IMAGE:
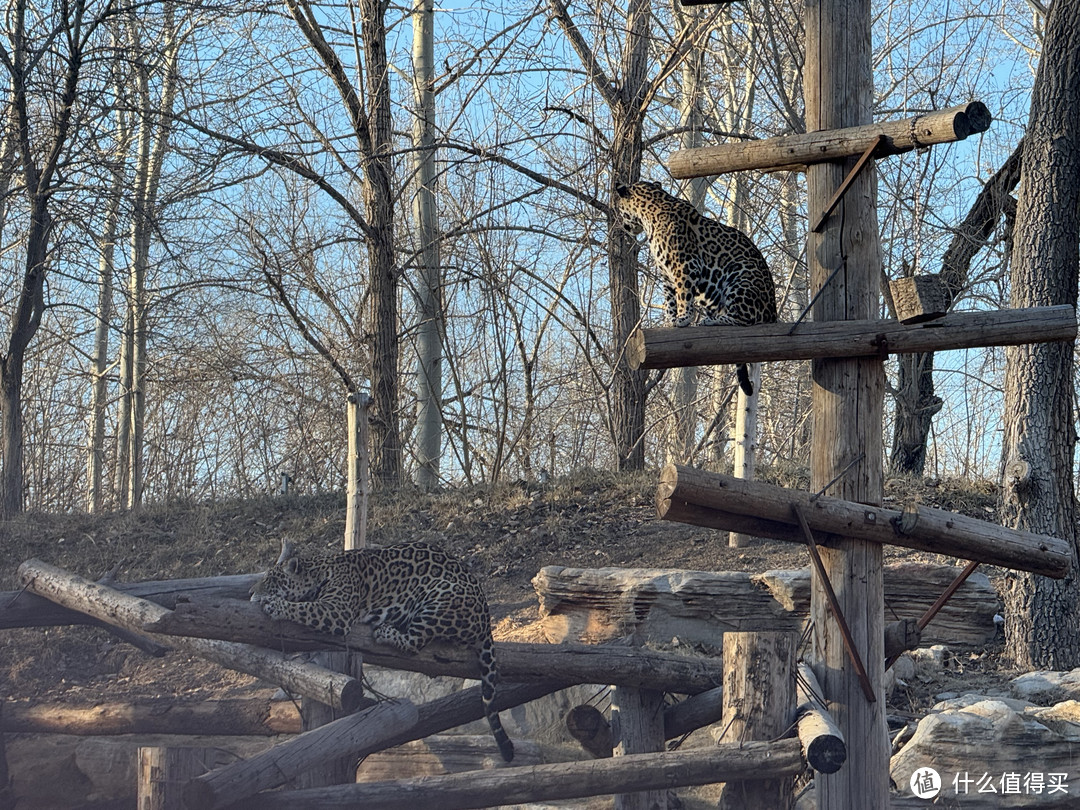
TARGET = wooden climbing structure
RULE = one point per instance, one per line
(847, 344)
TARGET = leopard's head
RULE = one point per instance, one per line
(640, 203)
(295, 577)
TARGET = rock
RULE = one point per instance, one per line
(1029, 756)
(1047, 687)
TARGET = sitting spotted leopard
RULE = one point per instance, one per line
(705, 264)
(411, 592)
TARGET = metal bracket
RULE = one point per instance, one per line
(844, 186)
(834, 607)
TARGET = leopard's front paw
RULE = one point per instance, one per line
(272, 606)
(684, 321)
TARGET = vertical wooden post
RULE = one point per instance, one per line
(845, 264)
(759, 703)
(313, 714)
(164, 771)
(637, 721)
(746, 420)
(359, 478)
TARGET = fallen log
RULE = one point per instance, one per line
(441, 754)
(656, 605)
(922, 528)
(365, 729)
(25, 609)
(131, 613)
(570, 663)
(568, 780)
(227, 717)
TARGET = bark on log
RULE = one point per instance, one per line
(637, 724)
(672, 347)
(934, 530)
(759, 691)
(795, 152)
(919, 298)
(131, 613)
(822, 741)
(364, 730)
(569, 663)
(228, 717)
(589, 727)
(693, 713)
(697, 606)
(442, 754)
(25, 609)
(163, 772)
(570, 780)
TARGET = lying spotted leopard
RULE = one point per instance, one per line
(411, 593)
(705, 264)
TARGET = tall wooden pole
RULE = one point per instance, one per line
(845, 260)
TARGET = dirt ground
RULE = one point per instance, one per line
(506, 534)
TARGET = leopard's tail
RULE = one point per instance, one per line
(743, 373)
(489, 677)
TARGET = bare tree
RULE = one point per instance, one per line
(44, 55)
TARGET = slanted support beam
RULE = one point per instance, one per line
(671, 347)
(795, 152)
(766, 510)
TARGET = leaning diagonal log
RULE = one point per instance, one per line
(343, 737)
(923, 528)
(730, 762)
(576, 663)
(131, 613)
(25, 609)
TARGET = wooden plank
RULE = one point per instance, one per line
(934, 530)
(569, 663)
(671, 347)
(795, 152)
(564, 780)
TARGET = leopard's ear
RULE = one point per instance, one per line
(288, 550)
(622, 189)
(292, 565)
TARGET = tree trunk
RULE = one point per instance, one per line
(430, 350)
(1039, 443)
(378, 171)
(915, 400)
(627, 385)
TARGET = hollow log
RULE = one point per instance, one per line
(568, 780)
(25, 609)
(822, 741)
(672, 347)
(934, 530)
(356, 732)
(589, 727)
(131, 613)
(571, 663)
(795, 152)
(226, 717)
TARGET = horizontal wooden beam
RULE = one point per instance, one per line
(730, 762)
(794, 152)
(671, 347)
(923, 528)
(568, 663)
